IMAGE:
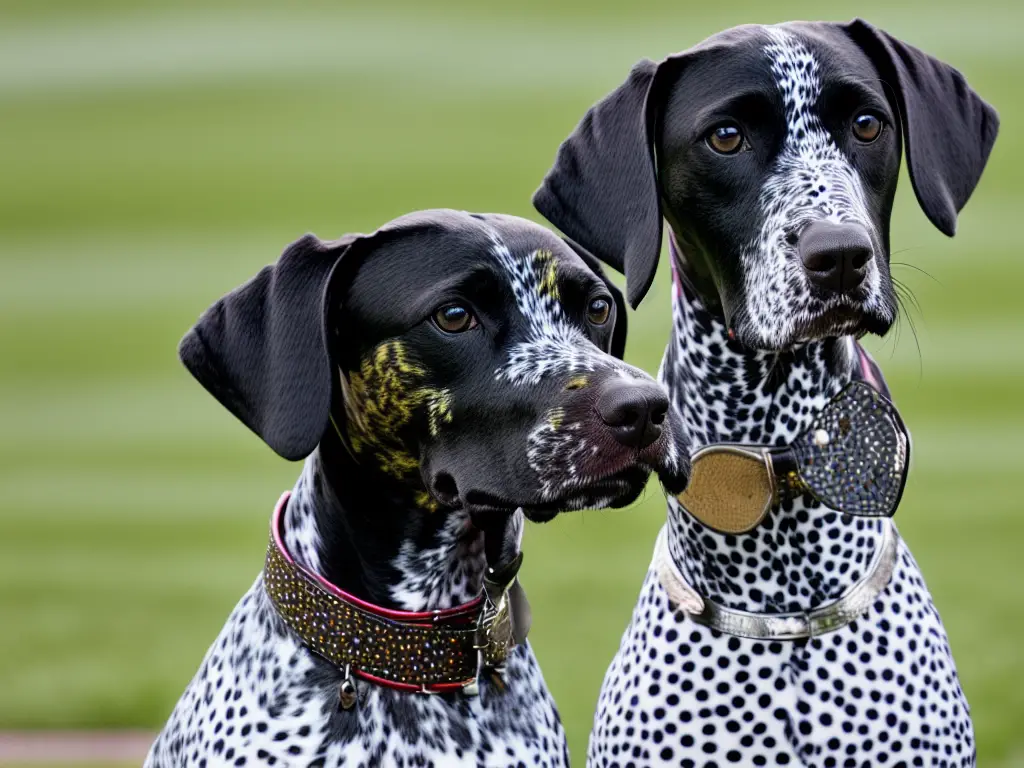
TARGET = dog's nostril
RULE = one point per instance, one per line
(633, 412)
(445, 487)
(792, 238)
(835, 255)
(658, 414)
(623, 416)
(820, 262)
(861, 258)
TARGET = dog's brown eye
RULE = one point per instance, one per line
(866, 127)
(454, 319)
(599, 310)
(725, 139)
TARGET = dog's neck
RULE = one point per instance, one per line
(802, 555)
(365, 534)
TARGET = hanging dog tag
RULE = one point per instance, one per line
(855, 455)
(506, 617)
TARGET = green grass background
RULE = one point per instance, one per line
(155, 155)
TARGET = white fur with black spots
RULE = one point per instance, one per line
(881, 691)
(261, 698)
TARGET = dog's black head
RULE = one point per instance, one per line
(471, 359)
(773, 153)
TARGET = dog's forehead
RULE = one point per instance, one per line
(441, 244)
(745, 56)
(835, 54)
(731, 58)
(409, 262)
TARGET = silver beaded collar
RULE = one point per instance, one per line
(853, 603)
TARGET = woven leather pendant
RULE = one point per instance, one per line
(730, 490)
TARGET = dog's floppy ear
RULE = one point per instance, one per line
(262, 350)
(948, 129)
(602, 191)
(618, 347)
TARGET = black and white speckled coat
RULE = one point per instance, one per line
(436, 407)
(747, 145)
(261, 698)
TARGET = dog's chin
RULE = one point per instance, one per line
(843, 317)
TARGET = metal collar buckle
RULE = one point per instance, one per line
(505, 619)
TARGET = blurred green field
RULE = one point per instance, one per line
(153, 156)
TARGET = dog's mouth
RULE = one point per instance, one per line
(843, 317)
(616, 489)
(838, 316)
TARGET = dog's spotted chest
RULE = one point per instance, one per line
(883, 689)
(261, 698)
(803, 554)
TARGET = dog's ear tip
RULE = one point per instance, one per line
(541, 198)
(991, 126)
(193, 352)
(637, 288)
(292, 451)
(308, 239)
(187, 346)
(636, 294)
(944, 218)
(947, 225)
(643, 68)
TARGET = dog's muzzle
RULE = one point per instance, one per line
(853, 458)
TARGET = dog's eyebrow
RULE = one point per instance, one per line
(748, 105)
(574, 279)
(480, 281)
(860, 90)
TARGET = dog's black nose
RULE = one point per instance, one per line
(835, 256)
(634, 410)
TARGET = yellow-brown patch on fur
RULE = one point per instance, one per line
(556, 417)
(382, 398)
(548, 266)
(425, 501)
(439, 410)
(576, 382)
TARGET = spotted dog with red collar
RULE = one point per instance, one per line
(443, 378)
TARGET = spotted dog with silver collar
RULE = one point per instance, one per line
(773, 154)
(427, 374)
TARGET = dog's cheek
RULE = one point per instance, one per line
(383, 399)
